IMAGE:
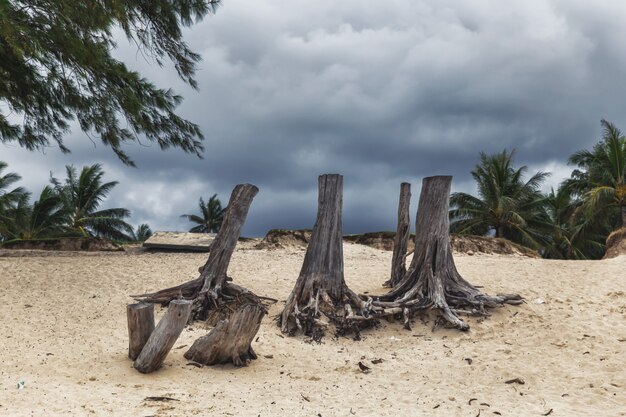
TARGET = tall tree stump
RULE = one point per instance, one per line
(401, 240)
(211, 292)
(140, 326)
(231, 339)
(163, 337)
(432, 280)
(320, 294)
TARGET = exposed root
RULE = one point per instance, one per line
(425, 291)
(187, 291)
(212, 291)
(349, 315)
(432, 281)
(210, 306)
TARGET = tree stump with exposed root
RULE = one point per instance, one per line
(432, 280)
(213, 294)
(320, 295)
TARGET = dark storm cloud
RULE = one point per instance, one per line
(386, 93)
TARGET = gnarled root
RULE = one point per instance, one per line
(187, 291)
(216, 304)
(428, 287)
(349, 314)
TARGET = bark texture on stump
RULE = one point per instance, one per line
(320, 294)
(213, 273)
(163, 337)
(212, 289)
(140, 326)
(231, 339)
(401, 240)
(432, 280)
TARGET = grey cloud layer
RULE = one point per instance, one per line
(389, 92)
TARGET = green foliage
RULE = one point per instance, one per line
(507, 205)
(11, 200)
(82, 195)
(592, 202)
(142, 233)
(600, 180)
(211, 216)
(44, 219)
(68, 208)
(572, 222)
(571, 237)
(56, 67)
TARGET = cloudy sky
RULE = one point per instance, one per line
(390, 92)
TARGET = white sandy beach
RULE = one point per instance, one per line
(64, 334)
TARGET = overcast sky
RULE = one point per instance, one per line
(381, 92)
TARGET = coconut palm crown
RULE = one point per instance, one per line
(507, 205)
(572, 237)
(44, 219)
(142, 233)
(10, 199)
(82, 195)
(600, 180)
(211, 216)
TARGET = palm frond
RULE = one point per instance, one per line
(211, 216)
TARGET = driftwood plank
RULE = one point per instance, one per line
(140, 327)
(163, 337)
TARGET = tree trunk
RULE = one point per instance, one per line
(231, 339)
(624, 215)
(320, 294)
(140, 326)
(432, 280)
(213, 273)
(163, 337)
(401, 240)
(211, 291)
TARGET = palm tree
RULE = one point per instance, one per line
(142, 233)
(82, 195)
(570, 237)
(45, 218)
(9, 200)
(210, 220)
(600, 181)
(507, 205)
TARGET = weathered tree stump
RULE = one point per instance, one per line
(211, 292)
(401, 240)
(231, 339)
(163, 337)
(140, 326)
(212, 297)
(320, 294)
(432, 280)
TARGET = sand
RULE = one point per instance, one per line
(64, 334)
